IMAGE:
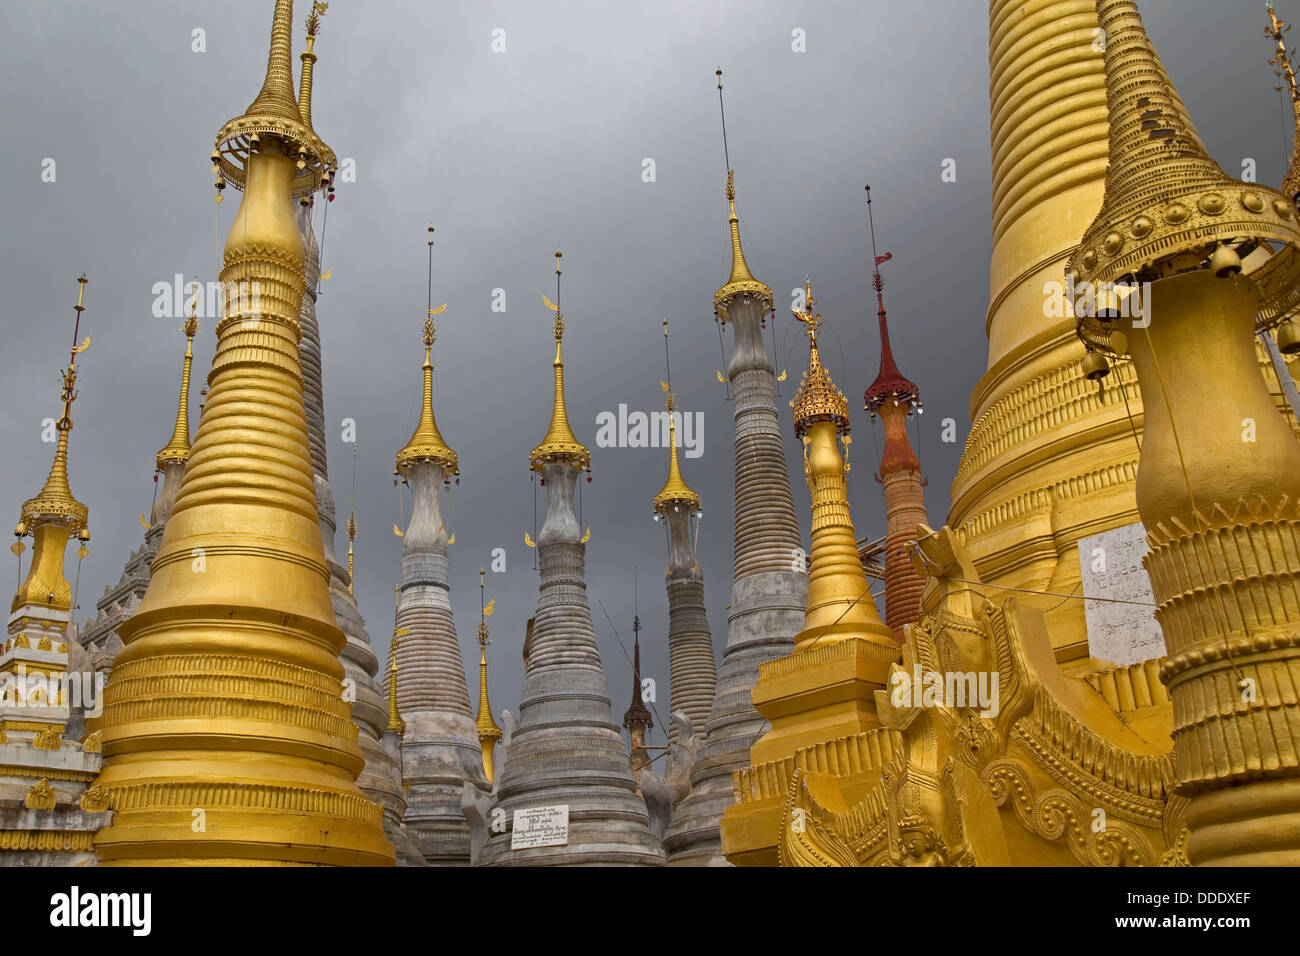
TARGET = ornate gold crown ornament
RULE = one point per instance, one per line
(1168, 207)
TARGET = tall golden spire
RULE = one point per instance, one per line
(488, 731)
(742, 281)
(840, 605)
(395, 723)
(427, 443)
(560, 444)
(264, 741)
(54, 514)
(178, 449)
(1168, 207)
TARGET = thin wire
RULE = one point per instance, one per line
(1128, 410)
(1006, 587)
(320, 246)
(773, 330)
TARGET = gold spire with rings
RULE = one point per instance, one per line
(396, 724)
(741, 281)
(177, 450)
(1168, 207)
(55, 504)
(676, 492)
(560, 444)
(276, 114)
(427, 443)
(818, 399)
(488, 731)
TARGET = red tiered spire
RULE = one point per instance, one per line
(892, 397)
(890, 383)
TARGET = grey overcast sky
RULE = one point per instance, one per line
(512, 155)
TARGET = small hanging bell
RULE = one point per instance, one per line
(1288, 338)
(1224, 261)
(1095, 366)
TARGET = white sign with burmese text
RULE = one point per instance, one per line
(1122, 628)
(540, 826)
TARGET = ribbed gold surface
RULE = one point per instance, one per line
(226, 733)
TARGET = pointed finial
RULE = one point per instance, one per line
(55, 504)
(818, 399)
(396, 724)
(637, 713)
(427, 443)
(675, 493)
(811, 319)
(177, 450)
(559, 443)
(742, 281)
(488, 731)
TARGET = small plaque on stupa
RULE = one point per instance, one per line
(1119, 607)
(540, 826)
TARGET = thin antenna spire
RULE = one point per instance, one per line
(429, 306)
(722, 109)
(668, 371)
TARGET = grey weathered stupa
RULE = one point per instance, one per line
(690, 645)
(567, 751)
(381, 778)
(440, 747)
(770, 586)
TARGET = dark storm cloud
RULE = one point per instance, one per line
(511, 156)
